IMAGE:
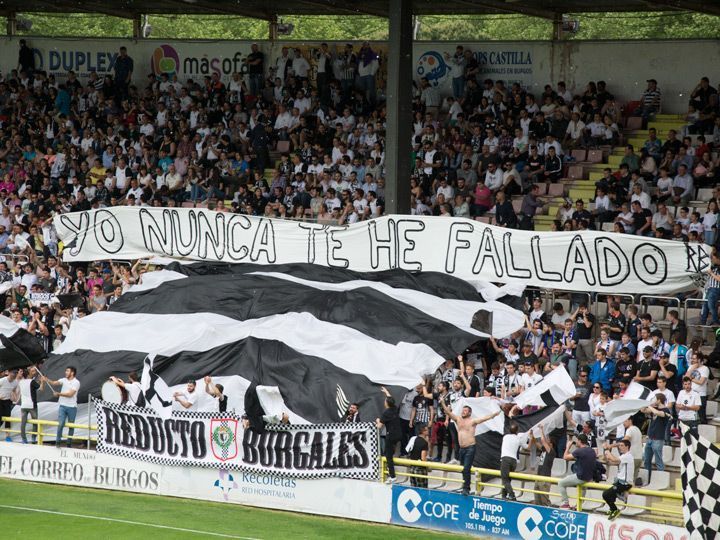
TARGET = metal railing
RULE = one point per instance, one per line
(40, 425)
(671, 514)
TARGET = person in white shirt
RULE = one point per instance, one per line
(625, 475)
(639, 195)
(493, 177)
(132, 387)
(188, 397)
(688, 404)
(509, 455)
(300, 66)
(700, 373)
(28, 388)
(575, 130)
(8, 387)
(67, 402)
(530, 378)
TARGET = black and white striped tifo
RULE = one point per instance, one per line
(324, 337)
(701, 486)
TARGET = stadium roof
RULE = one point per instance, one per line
(268, 9)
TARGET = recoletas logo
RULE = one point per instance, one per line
(165, 59)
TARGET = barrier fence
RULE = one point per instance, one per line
(670, 510)
(40, 425)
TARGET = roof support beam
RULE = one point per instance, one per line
(503, 7)
(342, 7)
(708, 8)
(11, 27)
(399, 108)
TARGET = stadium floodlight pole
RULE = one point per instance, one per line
(399, 107)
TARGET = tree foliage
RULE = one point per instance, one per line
(675, 25)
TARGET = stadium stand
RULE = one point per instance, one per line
(283, 148)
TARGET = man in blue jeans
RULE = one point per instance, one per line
(712, 293)
(67, 402)
(466, 437)
(656, 433)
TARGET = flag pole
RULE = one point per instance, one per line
(90, 402)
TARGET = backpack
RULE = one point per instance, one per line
(600, 472)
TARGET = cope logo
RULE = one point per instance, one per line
(164, 59)
(528, 523)
(408, 503)
(433, 67)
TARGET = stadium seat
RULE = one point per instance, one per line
(657, 312)
(708, 432)
(559, 468)
(517, 205)
(676, 459)
(595, 156)
(659, 480)
(526, 496)
(637, 500)
(483, 219)
(575, 172)
(712, 409)
(593, 505)
(579, 154)
(542, 188)
(634, 123)
(494, 490)
(556, 190)
(283, 146)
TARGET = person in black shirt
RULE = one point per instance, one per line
(504, 212)
(352, 415)
(642, 219)
(418, 449)
(584, 321)
(668, 373)
(255, 63)
(647, 370)
(422, 413)
(390, 420)
(656, 433)
(580, 214)
(615, 322)
(216, 391)
(26, 58)
(626, 365)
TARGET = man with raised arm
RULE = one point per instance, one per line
(466, 438)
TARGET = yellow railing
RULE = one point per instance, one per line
(40, 425)
(669, 514)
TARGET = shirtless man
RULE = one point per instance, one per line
(466, 437)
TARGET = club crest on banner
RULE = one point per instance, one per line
(223, 440)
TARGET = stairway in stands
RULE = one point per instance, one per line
(582, 175)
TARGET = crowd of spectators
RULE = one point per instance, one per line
(631, 354)
(69, 145)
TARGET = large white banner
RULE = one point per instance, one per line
(340, 497)
(588, 261)
(219, 440)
